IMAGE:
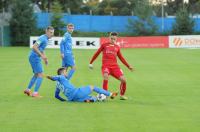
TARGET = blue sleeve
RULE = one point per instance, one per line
(62, 48)
(55, 78)
(39, 41)
(57, 92)
(63, 41)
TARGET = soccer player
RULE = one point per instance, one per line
(110, 66)
(66, 51)
(81, 94)
(37, 53)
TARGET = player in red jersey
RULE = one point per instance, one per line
(110, 66)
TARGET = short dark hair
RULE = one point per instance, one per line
(113, 34)
(60, 70)
(50, 28)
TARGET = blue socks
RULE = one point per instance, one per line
(38, 83)
(32, 81)
(70, 74)
(101, 91)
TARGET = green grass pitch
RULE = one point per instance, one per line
(163, 91)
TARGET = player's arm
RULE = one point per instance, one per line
(35, 48)
(62, 49)
(53, 78)
(62, 43)
(57, 96)
(122, 59)
(95, 56)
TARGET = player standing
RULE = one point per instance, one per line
(66, 51)
(37, 53)
(110, 66)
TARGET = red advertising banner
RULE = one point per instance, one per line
(141, 42)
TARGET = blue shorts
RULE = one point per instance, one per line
(36, 65)
(68, 61)
(83, 93)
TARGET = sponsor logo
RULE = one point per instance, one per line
(178, 42)
(85, 43)
(192, 41)
(182, 42)
(78, 42)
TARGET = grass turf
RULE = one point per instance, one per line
(163, 91)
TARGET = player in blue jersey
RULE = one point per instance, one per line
(37, 53)
(81, 94)
(66, 51)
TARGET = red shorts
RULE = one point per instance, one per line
(115, 72)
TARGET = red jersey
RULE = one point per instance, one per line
(110, 53)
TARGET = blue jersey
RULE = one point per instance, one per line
(65, 86)
(42, 42)
(66, 44)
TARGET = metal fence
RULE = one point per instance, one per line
(4, 36)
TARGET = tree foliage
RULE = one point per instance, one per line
(144, 24)
(22, 23)
(117, 7)
(75, 6)
(56, 21)
(184, 24)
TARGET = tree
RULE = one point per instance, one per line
(194, 6)
(117, 7)
(56, 21)
(184, 24)
(144, 24)
(74, 6)
(22, 23)
(4, 5)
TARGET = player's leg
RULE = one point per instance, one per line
(69, 62)
(38, 83)
(27, 91)
(123, 88)
(83, 95)
(102, 91)
(38, 69)
(31, 83)
(118, 73)
(71, 72)
(105, 73)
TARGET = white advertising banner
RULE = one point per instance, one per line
(184, 41)
(77, 42)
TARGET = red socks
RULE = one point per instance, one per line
(105, 84)
(122, 88)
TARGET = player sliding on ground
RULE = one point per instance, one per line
(81, 94)
(110, 66)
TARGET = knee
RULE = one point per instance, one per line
(123, 80)
(39, 74)
(105, 76)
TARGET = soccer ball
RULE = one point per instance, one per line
(101, 97)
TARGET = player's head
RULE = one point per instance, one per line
(62, 71)
(70, 27)
(50, 31)
(113, 37)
